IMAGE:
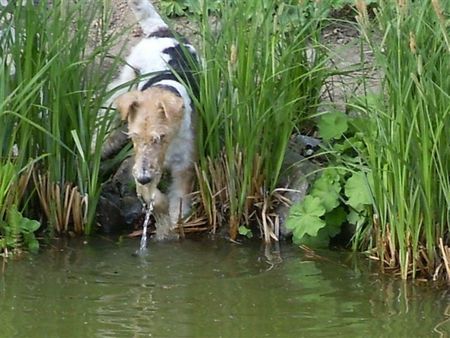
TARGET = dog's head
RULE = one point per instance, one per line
(154, 117)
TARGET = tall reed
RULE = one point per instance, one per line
(52, 84)
(409, 144)
(263, 72)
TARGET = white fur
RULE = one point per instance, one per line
(145, 58)
(149, 19)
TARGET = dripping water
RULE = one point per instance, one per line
(148, 212)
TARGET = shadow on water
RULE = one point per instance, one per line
(210, 288)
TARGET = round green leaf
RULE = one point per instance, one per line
(333, 125)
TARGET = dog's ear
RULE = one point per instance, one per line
(128, 103)
(172, 106)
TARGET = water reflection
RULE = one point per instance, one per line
(210, 289)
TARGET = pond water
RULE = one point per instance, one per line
(209, 288)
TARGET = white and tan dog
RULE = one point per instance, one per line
(159, 114)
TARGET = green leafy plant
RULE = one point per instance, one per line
(16, 229)
(174, 7)
(183, 7)
(341, 194)
(332, 125)
(244, 231)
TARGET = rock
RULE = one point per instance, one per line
(131, 209)
(108, 215)
(297, 174)
(119, 207)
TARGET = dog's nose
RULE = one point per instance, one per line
(144, 179)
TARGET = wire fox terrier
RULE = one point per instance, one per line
(159, 114)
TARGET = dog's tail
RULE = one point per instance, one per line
(148, 17)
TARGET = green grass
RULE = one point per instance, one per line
(257, 87)
(48, 106)
(182, 7)
(408, 139)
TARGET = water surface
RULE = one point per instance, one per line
(209, 289)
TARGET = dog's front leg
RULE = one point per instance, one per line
(161, 203)
(180, 194)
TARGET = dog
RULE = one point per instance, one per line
(159, 115)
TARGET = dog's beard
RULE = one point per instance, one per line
(147, 192)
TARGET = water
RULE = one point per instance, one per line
(210, 289)
(148, 213)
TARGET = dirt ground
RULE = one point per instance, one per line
(122, 18)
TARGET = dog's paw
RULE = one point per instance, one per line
(166, 236)
(164, 228)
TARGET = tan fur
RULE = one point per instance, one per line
(154, 118)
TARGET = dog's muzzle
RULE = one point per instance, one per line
(146, 167)
(146, 176)
(144, 179)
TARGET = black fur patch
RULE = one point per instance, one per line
(166, 75)
(167, 33)
(181, 59)
(181, 62)
(169, 88)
